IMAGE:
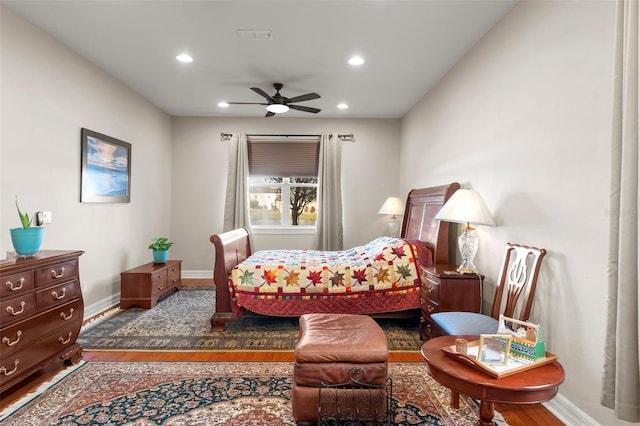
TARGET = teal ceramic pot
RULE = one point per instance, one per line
(27, 242)
(160, 256)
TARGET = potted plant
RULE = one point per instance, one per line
(27, 239)
(160, 247)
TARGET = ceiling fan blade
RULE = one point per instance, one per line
(307, 97)
(304, 108)
(247, 103)
(270, 114)
(262, 93)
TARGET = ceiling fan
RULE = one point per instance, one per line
(278, 104)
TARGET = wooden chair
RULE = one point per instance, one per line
(518, 277)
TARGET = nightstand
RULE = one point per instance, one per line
(445, 290)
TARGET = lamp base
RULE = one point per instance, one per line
(394, 227)
(468, 246)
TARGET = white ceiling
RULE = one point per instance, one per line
(408, 46)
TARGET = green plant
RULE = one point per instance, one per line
(24, 217)
(160, 243)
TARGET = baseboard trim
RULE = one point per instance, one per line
(101, 306)
(197, 274)
(568, 413)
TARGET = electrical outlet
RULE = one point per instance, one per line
(46, 217)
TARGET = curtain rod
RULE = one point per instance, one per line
(345, 138)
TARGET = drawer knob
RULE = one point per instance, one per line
(14, 313)
(431, 288)
(8, 341)
(57, 296)
(65, 317)
(431, 309)
(57, 275)
(4, 370)
(63, 340)
(11, 287)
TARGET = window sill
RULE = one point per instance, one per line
(283, 230)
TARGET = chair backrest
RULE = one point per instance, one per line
(518, 277)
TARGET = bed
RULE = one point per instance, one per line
(380, 278)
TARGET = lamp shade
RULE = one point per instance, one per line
(466, 206)
(393, 206)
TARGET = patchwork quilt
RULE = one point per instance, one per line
(382, 276)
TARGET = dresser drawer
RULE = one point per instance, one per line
(159, 281)
(173, 278)
(17, 308)
(15, 284)
(22, 334)
(15, 364)
(56, 273)
(57, 295)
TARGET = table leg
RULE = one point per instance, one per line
(486, 413)
(455, 399)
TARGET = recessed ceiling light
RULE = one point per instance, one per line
(223, 104)
(342, 106)
(356, 60)
(184, 58)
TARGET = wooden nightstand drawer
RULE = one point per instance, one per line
(443, 289)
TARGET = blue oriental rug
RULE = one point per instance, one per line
(211, 393)
(181, 322)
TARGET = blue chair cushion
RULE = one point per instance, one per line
(459, 323)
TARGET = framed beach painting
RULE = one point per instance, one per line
(106, 169)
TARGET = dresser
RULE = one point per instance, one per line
(445, 290)
(145, 285)
(41, 312)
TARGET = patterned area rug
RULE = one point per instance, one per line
(208, 393)
(181, 322)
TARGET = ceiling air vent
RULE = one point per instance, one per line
(254, 34)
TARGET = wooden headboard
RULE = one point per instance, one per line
(419, 219)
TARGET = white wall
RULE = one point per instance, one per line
(48, 94)
(524, 119)
(369, 175)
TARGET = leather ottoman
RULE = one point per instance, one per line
(329, 347)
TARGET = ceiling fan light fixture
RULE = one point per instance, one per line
(184, 57)
(277, 108)
(342, 106)
(356, 60)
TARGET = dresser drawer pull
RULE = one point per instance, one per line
(431, 288)
(14, 313)
(63, 340)
(65, 317)
(10, 286)
(4, 371)
(8, 342)
(57, 275)
(431, 309)
(57, 296)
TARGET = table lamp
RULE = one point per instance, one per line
(394, 207)
(466, 206)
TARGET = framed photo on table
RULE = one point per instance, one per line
(493, 349)
(105, 170)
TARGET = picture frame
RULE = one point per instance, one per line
(105, 169)
(494, 349)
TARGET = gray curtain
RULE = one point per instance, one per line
(621, 378)
(236, 206)
(329, 220)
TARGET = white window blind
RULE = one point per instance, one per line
(283, 158)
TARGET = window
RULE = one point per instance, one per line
(283, 170)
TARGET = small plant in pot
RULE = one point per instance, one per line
(160, 247)
(27, 239)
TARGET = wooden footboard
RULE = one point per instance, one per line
(232, 247)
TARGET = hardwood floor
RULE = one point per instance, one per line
(516, 415)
